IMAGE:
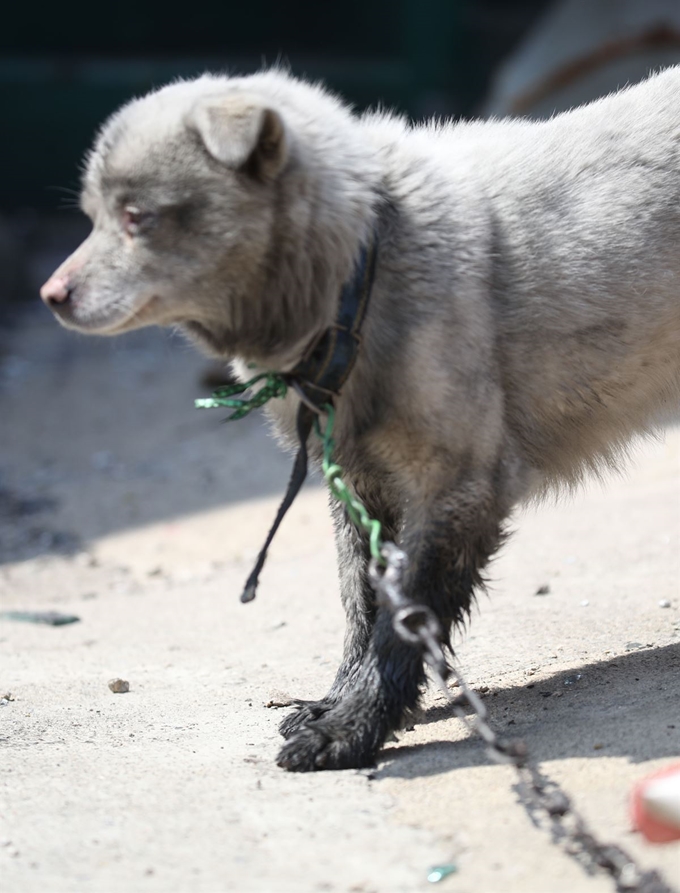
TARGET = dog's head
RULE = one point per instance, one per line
(207, 200)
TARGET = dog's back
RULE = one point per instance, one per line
(573, 226)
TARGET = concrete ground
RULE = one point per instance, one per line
(122, 505)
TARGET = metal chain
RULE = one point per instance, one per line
(543, 798)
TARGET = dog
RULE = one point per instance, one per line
(523, 323)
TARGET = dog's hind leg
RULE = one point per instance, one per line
(449, 539)
(358, 600)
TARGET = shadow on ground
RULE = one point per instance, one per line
(101, 434)
(599, 714)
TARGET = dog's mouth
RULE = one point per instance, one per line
(113, 320)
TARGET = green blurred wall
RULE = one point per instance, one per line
(65, 66)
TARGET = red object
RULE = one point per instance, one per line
(655, 805)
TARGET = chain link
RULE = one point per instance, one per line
(543, 798)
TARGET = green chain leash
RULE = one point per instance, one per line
(333, 474)
(275, 386)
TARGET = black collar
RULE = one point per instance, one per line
(330, 358)
(318, 379)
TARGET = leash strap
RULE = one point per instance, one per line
(317, 380)
(305, 417)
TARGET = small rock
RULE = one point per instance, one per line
(280, 699)
(119, 686)
(543, 590)
(8, 696)
(585, 603)
(482, 690)
(664, 603)
(598, 746)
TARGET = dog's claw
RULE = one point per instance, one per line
(305, 712)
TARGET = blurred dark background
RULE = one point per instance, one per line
(65, 67)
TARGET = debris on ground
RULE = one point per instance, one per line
(543, 590)
(572, 680)
(655, 805)
(119, 686)
(280, 699)
(438, 872)
(50, 618)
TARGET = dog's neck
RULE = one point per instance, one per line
(318, 367)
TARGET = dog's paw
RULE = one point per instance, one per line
(346, 735)
(313, 748)
(307, 711)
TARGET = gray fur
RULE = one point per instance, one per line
(524, 322)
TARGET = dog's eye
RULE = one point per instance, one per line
(133, 218)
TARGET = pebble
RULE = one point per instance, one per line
(664, 603)
(119, 686)
(543, 590)
(585, 603)
(280, 699)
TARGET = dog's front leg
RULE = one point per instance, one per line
(448, 540)
(358, 600)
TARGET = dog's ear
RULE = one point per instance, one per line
(242, 133)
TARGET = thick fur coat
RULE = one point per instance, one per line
(524, 322)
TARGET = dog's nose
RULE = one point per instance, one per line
(57, 290)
